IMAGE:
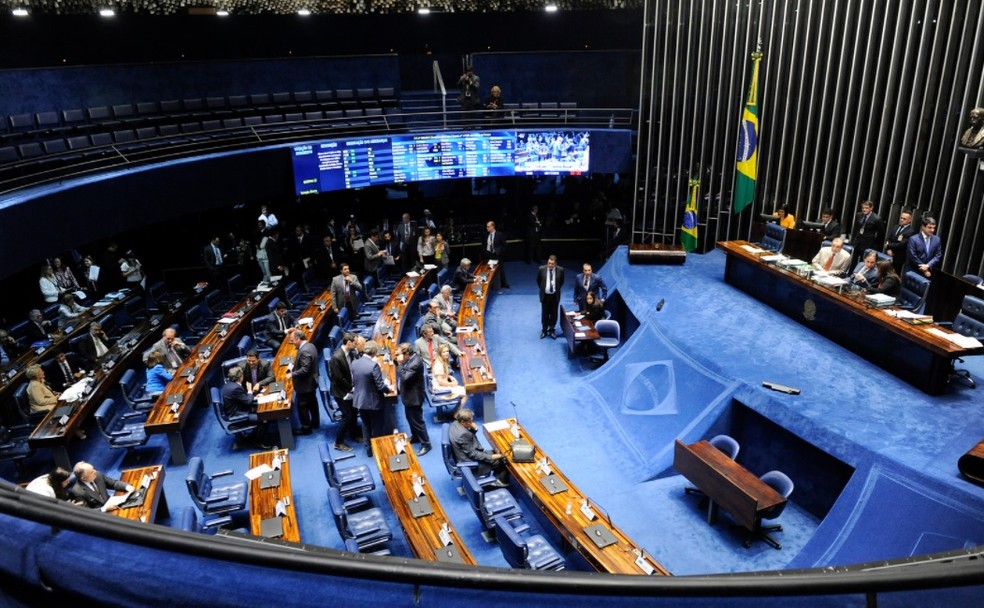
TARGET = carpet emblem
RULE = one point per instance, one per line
(810, 310)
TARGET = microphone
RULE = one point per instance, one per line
(659, 305)
(515, 412)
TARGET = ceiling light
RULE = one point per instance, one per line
(20, 12)
(550, 8)
(222, 12)
(107, 12)
(423, 10)
(304, 12)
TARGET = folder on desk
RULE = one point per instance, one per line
(398, 462)
(188, 371)
(135, 499)
(64, 410)
(270, 479)
(448, 554)
(285, 361)
(553, 484)
(175, 399)
(272, 527)
(476, 364)
(420, 506)
(600, 535)
(275, 387)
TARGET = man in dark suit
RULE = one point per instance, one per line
(374, 255)
(326, 257)
(304, 372)
(465, 446)
(588, 281)
(340, 375)
(493, 248)
(410, 370)
(93, 345)
(897, 240)
(550, 279)
(92, 487)
(275, 254)
(65, 371)
(257, 373)
(405, 235)
(534, 234)
(277, 324)
(925, 250)
(300, 249)
(344, 290)
(369, 390)
(236, 401)
(831, 227)
(868, 233)
(212, 254)
(38, 327)
(463, 276)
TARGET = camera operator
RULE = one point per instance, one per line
(469, 83)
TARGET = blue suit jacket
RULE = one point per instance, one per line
(918, 253)
(595, 284)
(369, 388)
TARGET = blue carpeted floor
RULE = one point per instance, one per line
(685, 371)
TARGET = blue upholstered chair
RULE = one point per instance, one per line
(968, 322)
(121, 426)
(912, 295)
(351, 482)
(186, 518)
(352, 546)
(609, 336)
(489, 504)
(440, 399)
(774, 238)
(784, 486)
(529, 552)
(13, 443)
(367, 528)
(214, 494)
(232, 425)
(132, 387)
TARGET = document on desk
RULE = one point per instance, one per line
(497, 425)
(255, 472)
(117, 499)
(267, 398)
(752, 249)
(959, 339)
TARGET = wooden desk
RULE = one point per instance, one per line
(105, 378)
(422, 533)
(204, 359)
(263, 502)
(480, 379)
(319, 311)
(908, 351)
(800, 243)
(60, 341)
(617, 558)
(726, 483)
(588, 334)
(155, 502)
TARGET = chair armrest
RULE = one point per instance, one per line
(217, 498)
(355, 503)
(947, 324)
(367, 532)
(345, 456)
(129, 415)
(221, 473)
(217, 522)
(119, 434)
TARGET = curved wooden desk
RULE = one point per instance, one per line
(620, 557)
(263, 501)
(155, 502)
(319, 311)
(476, 366)
(193, 374)
(423, 533)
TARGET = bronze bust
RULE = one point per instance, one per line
(973, 137)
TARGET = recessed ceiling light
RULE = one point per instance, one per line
(222, 12)
(107, 12)
(20, 12)
(550, 8)
(304, 12)
(423, 10)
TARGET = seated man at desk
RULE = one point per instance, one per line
(172, 348)
(463, 275)
(277, 324)
(831, 227)
(445, 301)
(257, 373)
(236, 401)
(865, 275)
(442, 325)
(69, 311)
(465, 446)
(94, 345)
(833, 259)
(429, 343)
(65, 372)
(92, 487)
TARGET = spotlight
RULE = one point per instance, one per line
(20, 11)
(550, 8)
(107, 12)
(222, 12)
(304, 12)
(423, 10)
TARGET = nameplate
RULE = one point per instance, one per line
(275, 387)
(270, 480)
(175, 399)
(287, 360)
(471, 341)
(398, 462)
(476, 363)
(600, 535)
(448, 554)
(553, 484)
(272, 527)
(420, 506)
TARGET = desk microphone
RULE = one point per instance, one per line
(659, 305)
(515, 412)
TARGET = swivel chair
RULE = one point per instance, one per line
(490, 505)
(609, 336)
(530, 552)
(912, 295)
(212, 494)
(121, 426)
(367, 528)
(968, 322)
(784, 486)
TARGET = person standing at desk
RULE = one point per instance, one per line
(869, 231)
(833, 259)
(495, 244)
(410, 371)
(897, 241)
(304, 373)
(550, 279)
(369, 390)
(588, 281)
(343, 290)
(340, 375)
(925, 250)
(465, 446)
(92, 487)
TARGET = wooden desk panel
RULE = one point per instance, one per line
(618, 558)
(389, 327)
(422, 533)
(471, 313)
(204, 359)
(725, 482)
(908, 351)
(155, 502)
(263, 502)
(319, 310)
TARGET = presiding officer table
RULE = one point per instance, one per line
(423, 531)
(911, 352)
(622, 556)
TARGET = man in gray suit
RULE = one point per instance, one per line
(92, 487)
(374, 255)
(304, 373)
(369, 390)
(410, 370)
(343, 290)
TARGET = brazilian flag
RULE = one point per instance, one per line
(747, 167)
(688, 238)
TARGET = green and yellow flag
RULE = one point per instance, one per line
(689, 228)
(747, 166)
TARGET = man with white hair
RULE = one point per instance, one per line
(92, 487)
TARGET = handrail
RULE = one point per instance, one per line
(951, 569)
(439, 87)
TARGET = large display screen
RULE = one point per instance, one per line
(393, 159)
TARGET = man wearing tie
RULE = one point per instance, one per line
(92, 487)
(831, 227)
(369, 390)
(94, 346)
(588, 281)
(304, 373)
(410, 370)
(257, 373)
(343, 290)
(495, 243)
(897, 241)
(833, 259)
(869, 231)
(925, 250)
(173, 349)
(277, 324)
(550, 279)
(213, 260)
(326, 257)
(406, 238)
(37, 327)
(65, 372)
(340, 375)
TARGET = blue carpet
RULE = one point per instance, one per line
(682, 373)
